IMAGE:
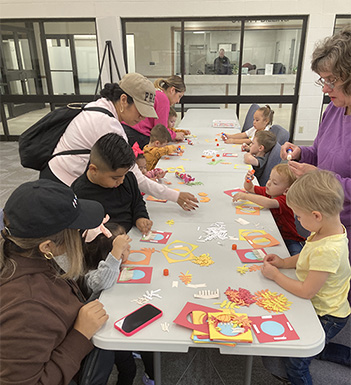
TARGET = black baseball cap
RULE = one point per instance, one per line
(44, 207)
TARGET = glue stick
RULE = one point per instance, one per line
(249, 178)
(224, 136)
(289, 151)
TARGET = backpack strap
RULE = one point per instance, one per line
(83, 151)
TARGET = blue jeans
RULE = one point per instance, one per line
(294, 247)
(297, 368)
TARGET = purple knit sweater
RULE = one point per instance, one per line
(331, 151)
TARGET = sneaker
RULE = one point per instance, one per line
(147, 380)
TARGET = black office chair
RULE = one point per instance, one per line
(273, 159)
(249, 117)
(281, 133)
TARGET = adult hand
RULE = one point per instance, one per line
(269, 271)
(179, 136)
(144, 225)
(187, 201)
(300, 169)
(90, 318)
(274, 260)
(295, 154)
(119, 245)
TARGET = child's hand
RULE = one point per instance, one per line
(125, 255)
(90, 318)
(249, 176)
(274, 260)
(245, 147)
(240, 195)
(179, 136)
(144, 225)
(119, 245)
(161, 173)
(229, 141)
(187, 132)
(269, 271)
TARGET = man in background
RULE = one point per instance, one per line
(222, 64)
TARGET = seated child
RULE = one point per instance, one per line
(155, 174)
(263, 120)
(105, 249)
(109, 181)
(172, 118)
(273, 197)
(261, 144)
(159, 137)
(322, 268)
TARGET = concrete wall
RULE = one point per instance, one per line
(321, 22)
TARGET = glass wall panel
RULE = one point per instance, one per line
(20, 123)
(87, 63)
(341, 22)
(211, 51)
(270, 57)
(156, 48)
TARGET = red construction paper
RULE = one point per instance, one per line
(275, 323)
(182, 318)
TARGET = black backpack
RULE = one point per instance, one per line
(38, 142)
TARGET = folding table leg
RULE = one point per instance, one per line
(157, 368)
(248, 370)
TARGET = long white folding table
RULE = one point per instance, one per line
(188, 227)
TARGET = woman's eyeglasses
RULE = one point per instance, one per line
(322, 82)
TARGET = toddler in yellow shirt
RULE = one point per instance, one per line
(158, 146)
(322, 267)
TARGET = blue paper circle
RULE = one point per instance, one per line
(138, 274)
(250, 255)
(272, 328)
(227, 329)
(158, 237)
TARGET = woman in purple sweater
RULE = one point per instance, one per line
(331, 149)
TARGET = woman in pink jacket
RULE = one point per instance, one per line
(168, 92)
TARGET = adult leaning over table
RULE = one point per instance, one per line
(331, 60)
(168, 92)
(131, 101)
(45, 326)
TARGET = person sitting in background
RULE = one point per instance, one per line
(109, 181)
(222, 64)
(322, 268)
(273, 197)
(159, 138)
(263, 119)
(172, 119)
(260, 147)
